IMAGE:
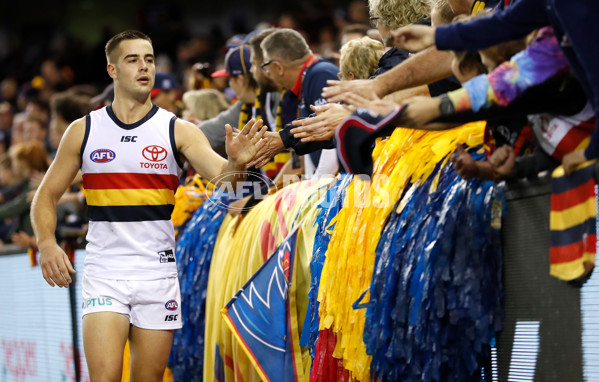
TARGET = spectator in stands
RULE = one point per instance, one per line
(11, 187)
(359, 58)
(103, 99)
(28, 159)
(6, 121)
(203, 104)
(289, 63)
(9, 89)
(387, 15)
(165, 93)
(199, 76)
(35, 129)
(65, 108)
(237, 69)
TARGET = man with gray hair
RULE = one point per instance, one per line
(289, 63)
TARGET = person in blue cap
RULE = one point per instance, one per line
(165, 93)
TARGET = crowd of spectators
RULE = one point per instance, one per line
(304, 73)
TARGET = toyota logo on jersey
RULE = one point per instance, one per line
(154, 153)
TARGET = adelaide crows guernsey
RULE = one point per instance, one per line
(130, 175)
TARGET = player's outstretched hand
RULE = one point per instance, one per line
(242, 147)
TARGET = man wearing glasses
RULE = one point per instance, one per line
(289, 63)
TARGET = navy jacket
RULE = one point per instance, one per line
(575, 24)
(293, 107)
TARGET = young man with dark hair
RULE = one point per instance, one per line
(130, 154)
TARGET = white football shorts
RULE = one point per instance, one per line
(149, 304)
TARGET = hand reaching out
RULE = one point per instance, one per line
(378, 106)
(271, 145)
(420, 111)
(464, 164)
(242, 147)
(414, 37)
(323, 125)
(572, 160)
(503, 160)
(366, 88)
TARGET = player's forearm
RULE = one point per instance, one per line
(423, 68)
(43, 219)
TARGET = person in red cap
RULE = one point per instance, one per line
(237, 69)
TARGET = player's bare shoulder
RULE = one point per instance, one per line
(73, 137)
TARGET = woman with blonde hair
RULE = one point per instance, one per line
(360, 58)
(204, 104)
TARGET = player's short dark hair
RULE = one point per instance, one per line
(115, 40)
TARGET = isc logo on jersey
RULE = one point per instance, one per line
(102, 156)
(171, 305)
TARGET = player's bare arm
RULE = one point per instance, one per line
(53, 260)
(241, 149)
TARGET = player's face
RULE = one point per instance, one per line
(135, 68)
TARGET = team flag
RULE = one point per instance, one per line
(263, 316)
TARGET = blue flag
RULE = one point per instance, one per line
(263, 318)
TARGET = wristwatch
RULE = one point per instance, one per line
(446, 106)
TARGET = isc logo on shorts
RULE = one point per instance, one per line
(171, 305)
(167, 256)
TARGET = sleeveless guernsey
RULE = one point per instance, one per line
(130, 175)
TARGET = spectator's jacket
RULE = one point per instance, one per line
(296, 104)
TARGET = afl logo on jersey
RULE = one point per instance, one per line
(102, 156)
(154, 153)
(171, 305)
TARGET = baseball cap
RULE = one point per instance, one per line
(235, 41)
(237, 61)
(163, 81)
